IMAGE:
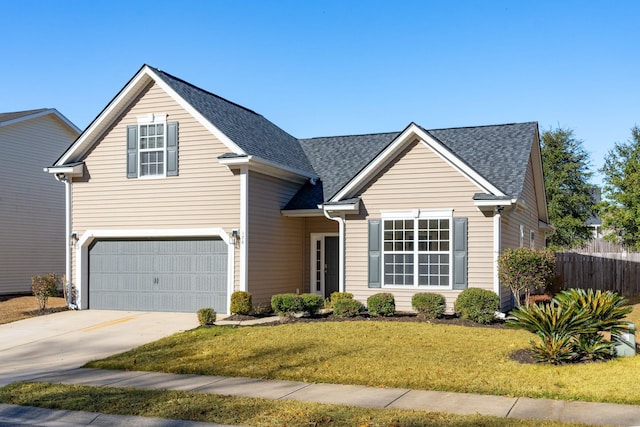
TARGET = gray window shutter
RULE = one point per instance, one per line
(460, 253)
(172, 149)
(132, 151)
(375, 251)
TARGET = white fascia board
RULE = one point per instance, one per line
(494, 203)
(387, 155)
(232, 146)
(102, 122)
(302, 212)
(74, 171)
(346, 207)
(258, 164)
(53, 111)
(538, 179)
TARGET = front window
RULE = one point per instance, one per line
(152, 149)
(417, 252)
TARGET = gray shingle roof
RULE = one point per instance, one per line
(250, 131)
(5, 117)
(338, 159)
(499, 153)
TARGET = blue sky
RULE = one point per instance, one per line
(320, 68)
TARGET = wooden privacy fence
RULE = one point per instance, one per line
(607, 271)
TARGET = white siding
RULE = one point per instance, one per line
(32, 202)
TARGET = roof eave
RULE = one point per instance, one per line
(74, 170)
(75, 129)
(352, 205)
(257, 164)
(302, 212)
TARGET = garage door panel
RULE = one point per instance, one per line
(158, 275)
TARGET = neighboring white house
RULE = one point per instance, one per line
(32, 205)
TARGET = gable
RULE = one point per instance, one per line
(418, 177)
(411, 133)
(204, 192)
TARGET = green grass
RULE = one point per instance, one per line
(383, 354)
(237, 410)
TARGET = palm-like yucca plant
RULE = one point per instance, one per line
(556, 326)
(607, 308)
(570, 326)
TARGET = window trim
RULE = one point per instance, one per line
(152, 119)
(415, 215)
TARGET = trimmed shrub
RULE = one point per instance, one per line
(311, 303)
(206, 316)
(338, 296)
(381, 304)
(44, 287)
(429, 305)
(477, 305)
(526, 270)
(286, 304)
(241, 303)
(347, 307)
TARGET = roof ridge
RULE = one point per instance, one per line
(203, 90)
(348, 136)
(482, 126)
(36, 110)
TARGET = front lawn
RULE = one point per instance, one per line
(238, 410)
(383, 354)
(18, 307)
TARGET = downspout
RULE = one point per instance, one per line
(497, 246)
(68, 239)
(341, 246)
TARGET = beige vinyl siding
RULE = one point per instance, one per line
(527, 215)
(32, 202)
(318, 224)
(419, 179)
(275, 241)
(205, 194)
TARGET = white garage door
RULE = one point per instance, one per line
(158, 275)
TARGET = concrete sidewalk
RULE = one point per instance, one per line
(361, 396)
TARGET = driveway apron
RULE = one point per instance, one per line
(32, 347)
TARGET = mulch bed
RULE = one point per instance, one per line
(398, 317)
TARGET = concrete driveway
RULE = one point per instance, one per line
(32, 347)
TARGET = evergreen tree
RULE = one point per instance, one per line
(569, 193)
(621, 209)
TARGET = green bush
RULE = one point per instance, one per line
(44, 287)
(570, 327)
(286, 304)
(429, 305)
(241, 303)
(338, 296)
(381, 304)
(526, 269)
(311, 303)
(347, 307)
(478, 305)
(206, 316)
